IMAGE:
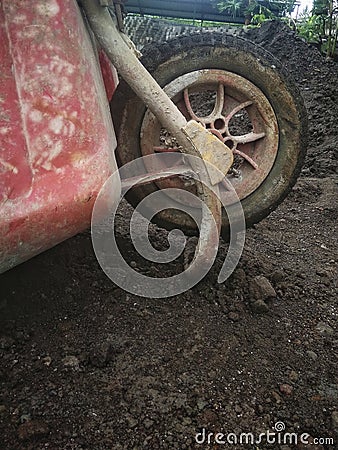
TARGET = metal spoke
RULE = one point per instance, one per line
(188, 105)
(246, 138)
(246, 157)
(217, 111)
(150, 177)
(236, 110)
(219, 104)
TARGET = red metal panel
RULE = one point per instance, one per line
(57, 139)
(15, 172)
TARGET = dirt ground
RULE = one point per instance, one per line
(85, 365)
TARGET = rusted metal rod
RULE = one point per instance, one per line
(155, 176)
(134, 73)
(194, 139)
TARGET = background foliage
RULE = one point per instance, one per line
(319, 25)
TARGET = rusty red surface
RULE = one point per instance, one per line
(56, 135)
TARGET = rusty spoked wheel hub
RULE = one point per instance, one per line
(234, 110)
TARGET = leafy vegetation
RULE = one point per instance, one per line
(320, 25)
(256, 11)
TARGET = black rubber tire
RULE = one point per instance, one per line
(185, 54)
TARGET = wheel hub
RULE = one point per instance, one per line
(241, 117)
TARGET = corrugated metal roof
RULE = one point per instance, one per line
(186, 9)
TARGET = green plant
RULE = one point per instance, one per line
(231, 6)
(262, 15)
(256, 11)
(320, 26)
